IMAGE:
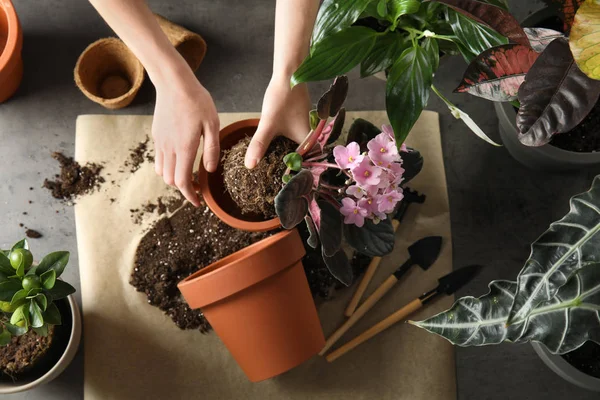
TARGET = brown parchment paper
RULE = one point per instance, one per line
(132, 351)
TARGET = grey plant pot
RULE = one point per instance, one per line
(566, 370)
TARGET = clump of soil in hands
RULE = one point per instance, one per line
(254, 190)
(175, 248)
(74, 180)
(586, 359)
(24, 351)
(584, 138)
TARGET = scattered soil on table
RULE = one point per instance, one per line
(584, 138)
(138, 156)
(74, 180)
(254, 190)
(194, 238)
(586, 359)
(24, 351)
(33, 234)
(163, 205)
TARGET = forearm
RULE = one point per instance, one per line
(135, 24)
(294, 21)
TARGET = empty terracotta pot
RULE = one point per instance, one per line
(189, 44)
(259, 303)
(108, 73)
(11, 44)
(213, 190)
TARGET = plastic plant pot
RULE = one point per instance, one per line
(11, 44)
(213, 190)
(259, 303)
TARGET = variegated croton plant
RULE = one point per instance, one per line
(555, 299)
(552, 78)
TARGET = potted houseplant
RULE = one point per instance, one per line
(554, 302)
(11, 43)
(40, 324)
(258, 299)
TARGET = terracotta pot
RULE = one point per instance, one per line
(11, 43)
(190, 45)
(213, 190)
(108, 73)
(259, 303)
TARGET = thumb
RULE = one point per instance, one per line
(258, 145)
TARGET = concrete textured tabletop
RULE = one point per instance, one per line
(498, 207)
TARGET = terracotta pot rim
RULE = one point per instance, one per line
(135, 86)
(242, 269)
(260, 226)
(14, 39)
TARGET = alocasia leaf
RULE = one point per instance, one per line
(585, 38)
(372, 239)
(555, 96)
(407, 90)
(540, 38)
(336, 54)
(335, 15)
(388, 47)
(494, 17)
(497, 73)
(291, 204)
(473, 38)
(566, 9)
(330, 228)
(567, 246)
(340, 268)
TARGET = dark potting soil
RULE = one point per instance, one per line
(74, 179)
(586, 359)
(139, 155)
(24, 352)
(254, 190)
(585, 137)
(32, 234)
(162, 205)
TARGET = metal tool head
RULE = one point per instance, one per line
(425, 251)
(457, 279)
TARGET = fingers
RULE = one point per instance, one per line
(210, 156)
(158, 162)
(259, 144)
(183, 176)
(168, 173)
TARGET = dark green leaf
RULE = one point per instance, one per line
(37, 320)
(18, 298)
(336, 55)
(387, 49)
(18, 315)
(292, 160)
(34, 292)
(473, 38)
(5, 266)
(313, 239)
(286, 178)
(61, 290)
(5, 337)
(15, 330)
(412, 162)
(503, 4)
(407, 90)
(42, 301)
(382, 8)
(9, 288)
(42, 331)
(340, 267)
(52, 315)
(291, 204)
(330, 228)
(374, 240)
(48, 279)
(555, 97)
(21, 244)
(398, 8)
(335, 15)
(56, 261)
(432, 49)
(314, 119)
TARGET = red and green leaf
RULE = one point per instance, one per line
(497, 73)
(566, 9)
(540, 38)
(495, 17)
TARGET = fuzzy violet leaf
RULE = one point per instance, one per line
(497, 73)
(585, 38)
(374, 240)
(291, 204)
(313, 239)
(338, 125)
(555, 97)
(340, 267)
(412, 162)
(540, 38)
(361, 131)
(330, 228)
(293, 161)
(332, 100)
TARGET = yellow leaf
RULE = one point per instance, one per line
(585, 38)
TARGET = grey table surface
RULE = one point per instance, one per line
(497, 206)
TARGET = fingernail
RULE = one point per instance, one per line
(211, 166)
(251, 163)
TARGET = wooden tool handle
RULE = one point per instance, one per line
(366, 279)
(362, 310)
(375, 329)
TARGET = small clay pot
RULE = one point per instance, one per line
(213, 190)
(108, 73)
(259, 303)
(11, 44)
(189, 44)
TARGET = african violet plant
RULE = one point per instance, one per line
(404, 39)
(345, 191)
(555, 299)
(28, 292)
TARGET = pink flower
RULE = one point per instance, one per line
(395, 173)
(356, 191)
(382, 150)
(316, 173)
(352, 212)
(387, 129)
(387, 201)
(403, 148)
(371, 205)
(347, 156)
(366, 174)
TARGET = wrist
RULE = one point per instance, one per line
(173, 73)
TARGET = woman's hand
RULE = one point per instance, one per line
(184, 113)
(285, 112)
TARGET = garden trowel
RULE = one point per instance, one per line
(423, 253)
